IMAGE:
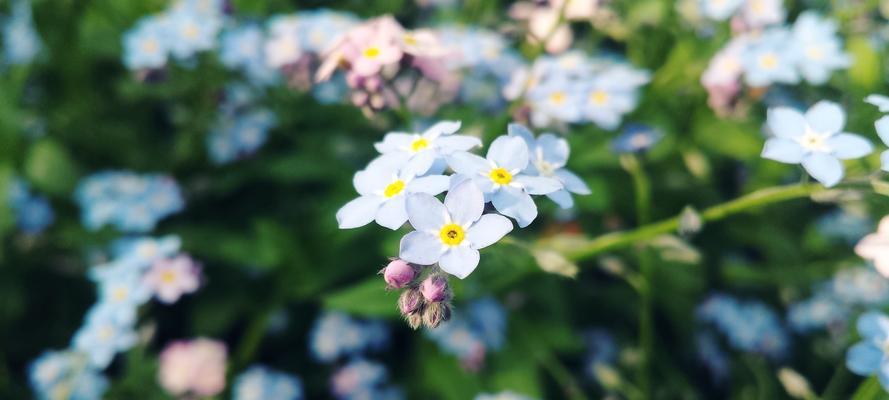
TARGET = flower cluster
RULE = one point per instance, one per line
(21, 42)
(834, 300)
(746, 13)
(749, 326)
(363, 379)
(128, 201)
(33, 212)
(187, 28)
(261, 383)
(336, 336)
(815, 140)
(193, 368)
(484, 60)
(401, 184)
(573, 88)
(548, 21)
(242, 126)
(472, 335)
(810, 50)
(242, 48)
(869, 356)
(66, 375)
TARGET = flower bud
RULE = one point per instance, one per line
(435, 289)
(410, 302)
(436, 313)
(414, 320)
(398, 274)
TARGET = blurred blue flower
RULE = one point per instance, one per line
(335, 336)
(860, 286)
(146, 46)
(126, 200)
(719, 10)
(318, 29)
(21, 42)
(845, 225)
(241, 48)
(817, 312)
(814, 140)
(33, 213)
(362, 379)
(103, 335)
(749, 326)
(600, 346)
(262, 383)
(611, 94)
(486, 60)
(56, 375)
(470, 335)
(548, 157)
(121, 290)
(818, 48)
(144, 251)
(766, 60)
(636, 138)
(868, 357)
(190, 32)
(712, 356)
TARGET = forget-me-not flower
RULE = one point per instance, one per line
(424, 149)
(103, 336)
(335, 335)
(814, 140)
(636, 138)
(262, 383)
(66, 375)
(146, 44)
(502, 178)
(766, 59)
(549, 154)
(817, 47)
(869, 356)
(451, 234)
(21, 42)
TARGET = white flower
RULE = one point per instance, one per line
(875, 247)
(549, 154)
(452, 233)
(882, 102)
(423, 150)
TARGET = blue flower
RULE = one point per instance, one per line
(557, 99)
(242, 48)
(814, 140)
(601, 346)
(359, 379)
(33, 212)
(189, 32)
(318, 29)
(766, 59)
(818, 48)
(65, 375)
(145, 46)
(548, 157)
(749, 326)
(860, 286)
(121, 290)
(21, 42)
(335, 336)
(424, 151)
(145, 251)
(611, 94)
(103, 335)
(128, 201)
(868, 357)
(817, 312)
(262, 383)
(502, 178)
(636, 138)
(451, 234)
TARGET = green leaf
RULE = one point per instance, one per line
(368, 298)
(865, 71)
(50, 168)
(870, 389)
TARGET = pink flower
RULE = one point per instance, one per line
(194, 367)
(373, 45)
(170, 278)
(722, 79)
(875, 247)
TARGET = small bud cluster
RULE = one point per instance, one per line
(423, 301)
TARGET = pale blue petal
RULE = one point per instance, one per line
(883, 373)
(562, 198)
(863, 358)
(358, 212)
(393, 142)
(432, 184)
(465, 202)
(420, 248)
(824, 167)
(467, 163)
(441, 128)
(488, 230)
(878, 100)
(846, 146)
(419, 164)
(538, 185)
(515, 203)
(374, 179)
(555, 150)
(826, 117)
(521, 131)
(884, 160)
(882, 126)
(572, 182)
(873, 325)
(459, 261)
(450, 144)
(786, 122)
(392, 214)
(425, 212)
(783, 150)
(509, 152)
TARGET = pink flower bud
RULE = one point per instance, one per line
(435, 289)
(410, 302)
(436, 313)
(398, 274)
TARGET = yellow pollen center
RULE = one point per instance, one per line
(815, 53)
(394, 188)
(501, 176)
(452, 234)
(410, 40)
(599, 97)
(768, 61)
(557, 97)
(419, 144)
(372, 52)
(168, 277)
(190, 31)
(119, 294)
(150, 46)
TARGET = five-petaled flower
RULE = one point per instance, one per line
(424, 149)
(869, 356)
(452, 233)
(549, 154)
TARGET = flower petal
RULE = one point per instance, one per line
(882, 126)
(884, 160)
(459, 261)
(392, 214)
(358, 212)
(786, 122)
(465, 202)
(873, 325)
(420, 163)
(878, 100)
(425, 212)
(783, 150)
(373, 179)
(467, 163)
(515, 203)
(395, 141)
(562, 198)
(432, 184)
(555, 150)
(863, 358)
(847, 146)
(826, 117)
(509, 152)
(521, 131)
(488, 230)
(572, 182)
(420, 248)
(538, 184)
(441, 128)
(824, 167)
(452, 143)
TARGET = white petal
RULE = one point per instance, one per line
(358, 212)
(572, 182)
(538, 185)
(467, 163)
(425, 212)
(562, 198)
(420, 248)
(515, 203)
(452, 143)
(882, 126)
(878, 100)
(783, 150)
(786, 122)
(824, 167)
(488, 230)
(846, 146)
(459, 261)
(441, 128)
(420, 163)
(521, 131)
(392, 214)
(373, 179)
(884, 160)
(826, 117)
(509, 152)
(395, 141)
(432, 184)
(555, 149)
(465, 202)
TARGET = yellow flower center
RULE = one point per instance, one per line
(372, 52)
(419, 144)
(168, 277)
(452, 234)
(813, 141)
(190, 31)
(599, 97)
(557, 97)
(410, 40)
(768, 61)
(119, 293)
(815, 52)
(150, 46)
(501, 176)
(394, 188)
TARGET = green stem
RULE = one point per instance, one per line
(563, 377)
(750, 201)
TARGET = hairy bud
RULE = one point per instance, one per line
(398, 274)
(410, 302)
(436, 313)
(414, 320)
(435, 289)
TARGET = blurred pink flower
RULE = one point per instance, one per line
(194, 367)
(170, 278)
(875, 247)
(722, 79)
(549, 22)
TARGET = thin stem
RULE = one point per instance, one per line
(563, 377)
